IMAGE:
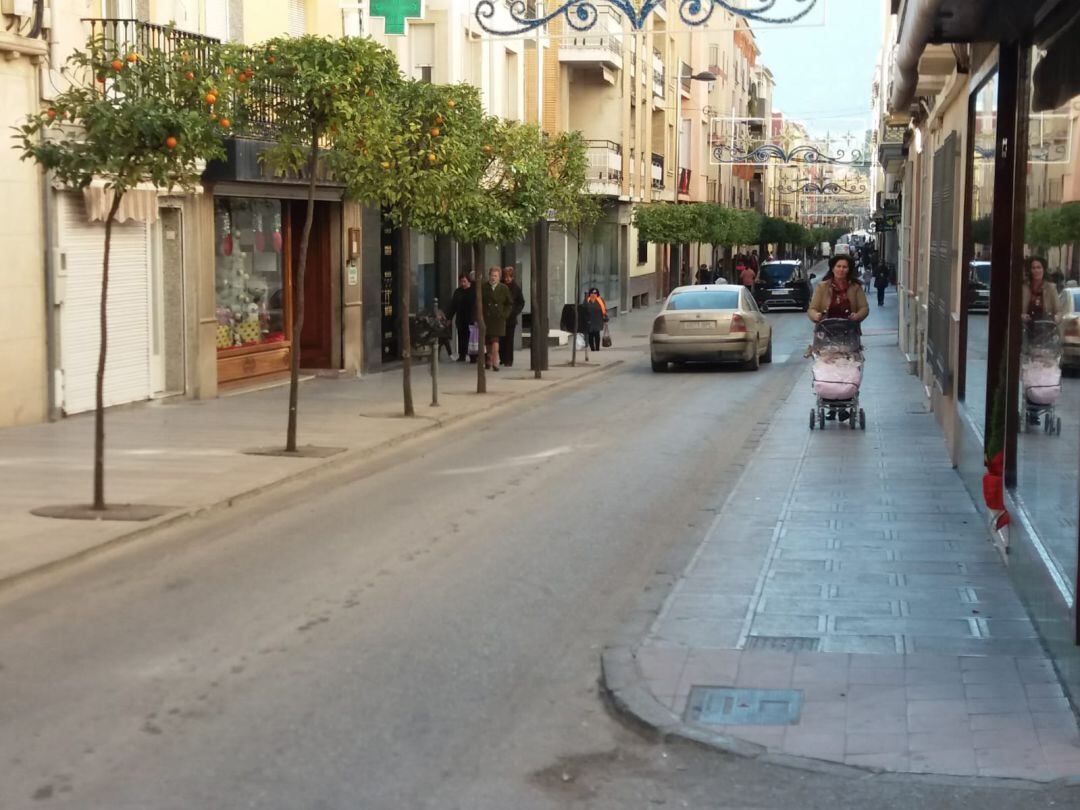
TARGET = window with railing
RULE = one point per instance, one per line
(657, 171)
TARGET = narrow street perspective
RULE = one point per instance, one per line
(460, 405)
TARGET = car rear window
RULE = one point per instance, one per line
(777, 273)
(705, 299)
(1076, 300)
(982, 272)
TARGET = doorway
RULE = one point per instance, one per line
(317, 334)
(167, 375)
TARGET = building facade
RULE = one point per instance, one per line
(979, 154)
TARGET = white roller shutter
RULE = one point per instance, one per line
(127, 365)
(297, 18)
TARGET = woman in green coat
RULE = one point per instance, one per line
(497, 306)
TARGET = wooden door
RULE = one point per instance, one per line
(316, 336)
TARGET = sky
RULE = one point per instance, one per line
(824, 65)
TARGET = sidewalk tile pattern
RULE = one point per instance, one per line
(869, 545)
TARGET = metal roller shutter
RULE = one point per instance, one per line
(127, 365)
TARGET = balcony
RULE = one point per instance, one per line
(135, 35)
(605, 167)
(657, 171)
(658, 79)
(601, 47)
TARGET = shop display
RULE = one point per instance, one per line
(249, 278)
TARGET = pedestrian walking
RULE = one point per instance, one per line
(746, 274)
(595, 317)
(462, 312)
(517, 299)
(1038, 296)
(497, 307)
(840, 294)
(881, 283)
(703, 274)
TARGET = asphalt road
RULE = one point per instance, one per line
(423, 633)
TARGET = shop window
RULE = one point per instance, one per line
(1048, 444)
(976, 304)
(249, 273)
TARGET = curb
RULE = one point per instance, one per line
(338, 462)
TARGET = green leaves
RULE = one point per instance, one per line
(129, 117)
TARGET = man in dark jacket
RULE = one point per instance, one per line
(463, 313)
(517, 299)
(881, 282)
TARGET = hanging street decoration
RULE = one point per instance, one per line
(825, 188)
(804, 154)
(582, 15)
(396, 12)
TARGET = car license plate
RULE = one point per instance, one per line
(779, 292)
(700, 324)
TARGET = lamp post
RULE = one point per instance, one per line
(702, 76)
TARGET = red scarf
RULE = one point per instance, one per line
(839, 305)
(1035, 304)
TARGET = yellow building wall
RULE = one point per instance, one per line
(264, 19)
(23, 391)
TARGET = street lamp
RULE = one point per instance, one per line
(702, 76)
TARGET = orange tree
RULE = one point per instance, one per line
(128, 117)
(414, 168)
(317, 89)
(505, 193)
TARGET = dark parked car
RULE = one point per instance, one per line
(979, 287)
(783, 284)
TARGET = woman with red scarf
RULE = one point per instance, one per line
(840, 294)
(1039, 300)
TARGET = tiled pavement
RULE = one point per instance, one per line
(864, 554)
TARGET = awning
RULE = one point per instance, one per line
(1057, 75)
(915, 30)
(139, 204)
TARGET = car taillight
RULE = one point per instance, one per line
(1071, 327)
(659, 326)
(737, 323)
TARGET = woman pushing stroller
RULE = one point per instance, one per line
(839, 294)
(838, 306)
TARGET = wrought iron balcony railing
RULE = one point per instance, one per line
(135, 35)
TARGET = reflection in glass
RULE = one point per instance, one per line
(1049, 441)
(978, 300)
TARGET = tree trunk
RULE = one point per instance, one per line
(535, 318)
(404, 297)
(99, 393)
(478, 272)
(298, 296)
(577, 306)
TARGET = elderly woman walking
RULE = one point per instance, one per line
(498, 303)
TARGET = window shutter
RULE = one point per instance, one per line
(297, 18)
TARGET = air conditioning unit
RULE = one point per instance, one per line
(22, 8)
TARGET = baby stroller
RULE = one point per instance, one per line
(1040, 376)
(837, 373)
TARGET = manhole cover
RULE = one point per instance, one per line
(783, 643)
(722, 706)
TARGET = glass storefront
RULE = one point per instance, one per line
(252, 299)
(977, 305)
(600, 261)
(1049, 441)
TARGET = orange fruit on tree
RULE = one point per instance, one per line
(434, 132)
(271, 59)
(117, 65)
(438, 119)
(487, 147)
(133, 57)
(171, 142)
(431, 157)
(51, 113)
(210, 98)
(225, 123)
(189, 76)
(451, 104)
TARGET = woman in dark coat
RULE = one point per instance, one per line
(463, 313)
(595, 314)
(497, 307)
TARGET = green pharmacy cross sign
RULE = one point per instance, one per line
(396, 12)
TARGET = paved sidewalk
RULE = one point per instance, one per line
(850, 577)
(188, 454)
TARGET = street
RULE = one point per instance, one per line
(422, 634)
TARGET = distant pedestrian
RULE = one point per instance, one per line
(595, 316)
(497, 307)
(881, 284)
(517, 299)
(746, 274)
(703, 274)
(462, 312)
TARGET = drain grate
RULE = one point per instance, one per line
(722, 706)
(783, 643)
